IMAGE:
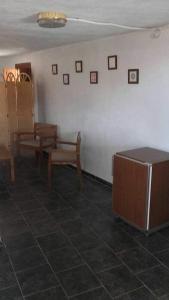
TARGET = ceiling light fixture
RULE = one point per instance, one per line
(51, 19)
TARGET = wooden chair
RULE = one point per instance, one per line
(43, 137)
(69, 154)
(6, 155)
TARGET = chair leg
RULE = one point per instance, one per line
(49, 174)
(79, 172)
(40, 158)
(12, 170)
(37, 156)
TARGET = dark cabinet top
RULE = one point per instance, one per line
(146, 155)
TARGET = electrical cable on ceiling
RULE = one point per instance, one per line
(108, 24)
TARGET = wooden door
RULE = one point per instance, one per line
(24, 68)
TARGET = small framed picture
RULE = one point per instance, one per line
(133, 76)
(54, 69)
(94, 77)
(112, 62)
(66, 79)
(79, 66)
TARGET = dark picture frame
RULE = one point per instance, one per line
(54, 69)
(112, 62)
(66, 79)
(133, 76)
(94, 77)
(78, 66)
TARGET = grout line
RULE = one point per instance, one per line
(53, 272)
(85, 263)
(15, 275)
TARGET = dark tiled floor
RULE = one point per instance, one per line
(67, 245)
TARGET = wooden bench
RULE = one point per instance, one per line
(7, 156)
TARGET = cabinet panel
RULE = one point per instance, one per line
(159, 206)
(130, 186)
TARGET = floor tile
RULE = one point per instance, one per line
(29, 205)
(12, 293)
(7, 278)
(64, 215)
(75, 227)
(57, 204)
(134, 232)
(166, 297)
(98, 294)
(157, 280)
(119, 280)
(4, 259)
(163, 256)
(9, 214)
(101, 258)
(120, 241)
(85, 241)
(44, 227)
(139, 294)
(51, 294)
(154, 243)
(78, 280)
(18, 242)
(36, 279)
(64, 258)
(53, 241)
(105, 225)
(91, 215)
(27, 258)
(81, 205)
(138, 259)
(35, 216)
(14, 228)
(22, 196)
(165, 232)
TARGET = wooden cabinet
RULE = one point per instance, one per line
(141, 187)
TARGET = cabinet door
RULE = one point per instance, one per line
(159, 206)
(4, 136)
(25, 106)
(130, 187)
(12, 109)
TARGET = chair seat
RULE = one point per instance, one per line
(63, 155)
(4, 153)
(34, 143)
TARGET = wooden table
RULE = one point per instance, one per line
(5, 155)
(141, 187)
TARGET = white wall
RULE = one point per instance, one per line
(113, 115)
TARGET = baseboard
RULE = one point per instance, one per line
(93, 177)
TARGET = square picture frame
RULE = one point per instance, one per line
(54, 69)
(133, 76)
(112, 62)
(78, 66)
(66, 80)
(94, 77)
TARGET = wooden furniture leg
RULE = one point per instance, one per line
(49, 172)
(12, 169)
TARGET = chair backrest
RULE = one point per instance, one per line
(71, 137)
(45, 129)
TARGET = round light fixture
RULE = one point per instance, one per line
(51, 19)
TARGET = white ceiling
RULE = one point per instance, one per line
(20, 33)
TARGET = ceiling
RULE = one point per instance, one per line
(20, 33)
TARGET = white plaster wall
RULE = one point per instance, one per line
(113, 115)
